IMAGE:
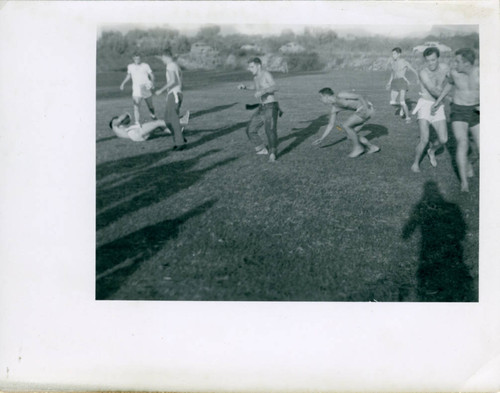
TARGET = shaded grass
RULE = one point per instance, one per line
(314, 226)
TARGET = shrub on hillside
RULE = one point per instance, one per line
(308, 61)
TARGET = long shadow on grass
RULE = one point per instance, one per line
(442, 275)
(213, 134)
(302, 134)
(119, 259)
(376, 131)
(148, 187)
(212, 110)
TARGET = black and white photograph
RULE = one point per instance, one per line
(243, 196)
(299, 163)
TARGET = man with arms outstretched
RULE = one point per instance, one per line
(432, 81)
(362, 109)
(268, 111)
(142, 83)
(464, 109)
(398, 83)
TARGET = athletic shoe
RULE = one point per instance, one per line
(263, 151)
(179, 148)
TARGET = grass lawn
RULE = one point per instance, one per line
(218, 222)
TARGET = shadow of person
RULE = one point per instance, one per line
(302, 134)
(375, 131)
(217, 108)
(442, 275)
(119, 259)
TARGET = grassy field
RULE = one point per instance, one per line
(217, 222)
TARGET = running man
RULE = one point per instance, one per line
(142, 83)
(139, 132)
(398, 83)
(174, 98)
(268, 111)
(464, 109)
(432, 81)
(362, 109)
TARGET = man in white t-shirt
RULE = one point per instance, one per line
(142, 83)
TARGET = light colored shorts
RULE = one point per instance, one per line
(135, 133)
(423, 109)
(142, 91)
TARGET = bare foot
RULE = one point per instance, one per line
(415, 168)
(464, 187)
(373, 149)
(432, 157)
(357, 151)
(272, 157)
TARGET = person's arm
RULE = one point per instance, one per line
(127, 78)
(243, 86)
(434, 90)
(329, 127)
(151, 78)
(446, 89)
(160, 91)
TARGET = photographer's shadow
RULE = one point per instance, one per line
(442, 275)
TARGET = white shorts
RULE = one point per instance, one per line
(142, 91)
(135, 133)
(423, 109)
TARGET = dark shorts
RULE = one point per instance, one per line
(466, 113)
(399, 84)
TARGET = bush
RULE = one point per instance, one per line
(308, 61)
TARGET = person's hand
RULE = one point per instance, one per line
(121, 87)
(388, 86)
(317, 142)
(242, 87)
(434, 108)
(257, 95)
(158, 92)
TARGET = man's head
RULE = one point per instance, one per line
(114, 122)
(136, 57)
(396, 52)
(326, 95)
(465, 59)
(254, 65)
(166, 56)
(431, 56)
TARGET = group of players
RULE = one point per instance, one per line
(436, 81)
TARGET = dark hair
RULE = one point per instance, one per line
(326, 91)
(467, 54)
(255, 60)
(429, 51)
(167, 52)
(397, 49)
(111, 121)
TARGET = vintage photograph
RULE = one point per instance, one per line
(287, 163)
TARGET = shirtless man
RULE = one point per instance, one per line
(432, 80)
(142, 83)
(464, 109)
(363, 110)
(139, 132)
(267, 114)
(174, 98)
(398, 84)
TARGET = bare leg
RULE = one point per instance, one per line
(442, 133)
(149, 103)
(357, 147)
(424, 140)
(475, 135)
(402, 99)
(460, 130)
(371, 147)
(137, 113)
(394, 95)
(149, 127)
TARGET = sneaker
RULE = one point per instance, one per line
(263, 151)
(179, 148)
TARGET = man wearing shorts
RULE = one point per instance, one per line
(142, 84)
(432, 81)
(268, 111)
(362, 109)
(398, 84)
(464, 109)
(139, 132)
(174, 98)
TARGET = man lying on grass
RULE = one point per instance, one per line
(363, 110)
(137, 132)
